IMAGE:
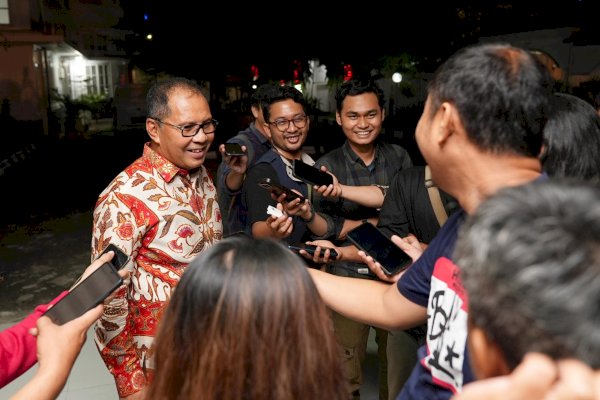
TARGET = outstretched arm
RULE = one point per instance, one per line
(371, 302)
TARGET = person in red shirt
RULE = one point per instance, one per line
(56, 347)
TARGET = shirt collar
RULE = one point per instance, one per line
(289, 170)
(165, 168)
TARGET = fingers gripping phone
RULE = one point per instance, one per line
(119, 259)
(311, 249)
(310, 174)
(278, 190)
(86, 295)
(234, 149)
(372, 241)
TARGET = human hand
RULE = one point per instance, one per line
(333, 191)
(104, 258)
(57, 349)
(538, 377)
(322, 254)
(301, 208)
(409, 244)
(282, 226)
(238, 164)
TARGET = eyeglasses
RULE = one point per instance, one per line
(284, 124)
(190, 130)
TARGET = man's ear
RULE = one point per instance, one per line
(268, 130)
(255, 111)
(152, 129)
(338, 118)
(447, 122)
(486, 358)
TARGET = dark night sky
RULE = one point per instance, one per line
(224, 37)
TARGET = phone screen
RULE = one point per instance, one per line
(310, 249)
(86, 295)
(372, 241)
(278, 190)
(233, 149)
(119, 259)
(310, 174)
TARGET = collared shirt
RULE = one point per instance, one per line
(349, 168)
(163, 217)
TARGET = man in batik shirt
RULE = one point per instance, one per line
(161, 211)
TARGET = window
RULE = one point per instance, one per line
(4, 15)
(98, 78)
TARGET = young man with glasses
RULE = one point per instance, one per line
(286, 124)
(161, 211)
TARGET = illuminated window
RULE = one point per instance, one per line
(98, 78)
(4, 15)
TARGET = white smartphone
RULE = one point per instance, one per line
(274, 212)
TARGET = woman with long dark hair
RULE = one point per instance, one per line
(246, 322)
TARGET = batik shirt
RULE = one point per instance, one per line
(163, 217)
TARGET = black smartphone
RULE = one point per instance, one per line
(234, 149)
(278, 190)
(311, 248)
(86, 295)
(372, 241)
(119, 259)
(311, 174)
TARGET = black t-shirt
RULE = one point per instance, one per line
(407, 207)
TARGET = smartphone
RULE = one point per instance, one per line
(119, 259)
(311, 248)
(311, 174)
(86, 295)
(278, 190)
(372, 241)
(234, 149)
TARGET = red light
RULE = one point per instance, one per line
(254, 72)
(347, 72)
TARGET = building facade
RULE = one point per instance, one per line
(58, 51)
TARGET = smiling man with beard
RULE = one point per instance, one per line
(363, 160)
(287, 124)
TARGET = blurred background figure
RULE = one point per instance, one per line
(572, 139)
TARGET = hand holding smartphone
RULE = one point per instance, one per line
(92, 290)
(278, 190)
(234, 149)
(375, 243)
(119, 259)
(310, 174)
(311, 249)
(86, 295)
